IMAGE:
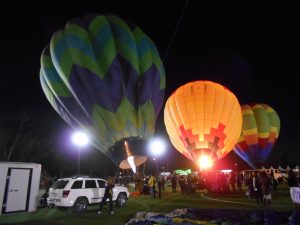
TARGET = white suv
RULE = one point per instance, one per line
(79, 192)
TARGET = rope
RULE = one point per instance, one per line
(142, 203)
(241, 203)
(219, 200)
(176, 28)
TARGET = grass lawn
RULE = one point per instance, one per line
(168, 202)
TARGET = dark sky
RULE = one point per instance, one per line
(252, 50)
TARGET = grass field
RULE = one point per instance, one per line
(168, 202)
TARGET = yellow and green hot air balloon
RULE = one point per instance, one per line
(261, 126)
(203, 120)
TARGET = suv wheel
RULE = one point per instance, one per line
(80, 205)
(121, 200)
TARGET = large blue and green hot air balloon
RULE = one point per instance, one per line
(104, 75)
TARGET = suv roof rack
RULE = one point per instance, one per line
(79, 176)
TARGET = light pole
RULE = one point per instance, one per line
(156, 161)
(236, 168)
(80, 139)
(157, 147)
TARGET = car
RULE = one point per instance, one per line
(79, 192)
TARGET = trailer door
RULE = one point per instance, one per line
(17, 190)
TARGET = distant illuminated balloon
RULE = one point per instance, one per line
(105, 76)
(203, 118)
(261, 126)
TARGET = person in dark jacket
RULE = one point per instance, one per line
(294, 188)
(257, 188)
(108, 194)
(174, 182)
(159, 185)
(265, 185)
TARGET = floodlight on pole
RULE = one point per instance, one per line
(157, 147)
(80, 139)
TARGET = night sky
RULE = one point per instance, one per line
(252, 50)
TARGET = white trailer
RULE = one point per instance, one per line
(19, 186)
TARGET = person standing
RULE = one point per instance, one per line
(294, 188)
(108, 194)
(265, 185)
(159, 186)
(232, 181)
(257, 188)
(274, 185)
(152, 182)
(163, 181)
(239, 182)
(146, 186)
(182, 185)
(174, 182)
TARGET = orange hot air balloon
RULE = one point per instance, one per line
(203, 119)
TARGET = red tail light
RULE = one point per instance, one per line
(66, 193)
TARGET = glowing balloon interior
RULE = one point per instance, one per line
(205, 162)
(203, 118)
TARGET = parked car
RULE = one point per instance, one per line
(79, 192)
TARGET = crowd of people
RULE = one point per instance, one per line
(260, 186)
(257, 185)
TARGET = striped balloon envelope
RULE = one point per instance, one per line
(203, 119)
(105, 76)
(261, 126)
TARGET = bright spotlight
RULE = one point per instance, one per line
(157, 146)
(80, 139)
(205, 162)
